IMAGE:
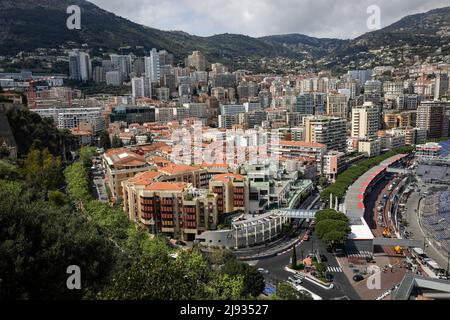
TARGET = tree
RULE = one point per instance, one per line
(116, 142)
(57, 198)
(29, 130)
(254, 283)
(333, 231)
(37, 244)
(226, 287)
(133, 140)
(286, 292)
(330, 214)
(41, 170)
(4, 152)
(221, 256)
(323, 182)
(86, 155)
(294, 258)
(151, 279)
(8, 170)
(105, 141)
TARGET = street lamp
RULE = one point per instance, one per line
(424, 243)
(448, 265)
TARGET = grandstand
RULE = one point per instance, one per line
(434, 172)
(436, 218)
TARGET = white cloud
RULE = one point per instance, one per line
(320, 18)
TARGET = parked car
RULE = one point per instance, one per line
(263, 271)
(295, 281)
(358, 278)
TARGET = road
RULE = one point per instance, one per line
(276, 266)
(412, 214)
(99, 184)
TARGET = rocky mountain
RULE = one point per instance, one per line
(31, 24)
(302, 44)
(26, 25)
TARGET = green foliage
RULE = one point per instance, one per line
(349, 176)
(42, 171)
(8, 170)
(77, 182)
(116, 142)
(330, 214)
(30, 130)
(286, 292)
(253, 280)
(156, 278)
(37, 244)
(105, 141)
(226, 287)
(86, 155)
(332, 231)
(57, 198)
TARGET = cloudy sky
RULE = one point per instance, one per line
(320, 18)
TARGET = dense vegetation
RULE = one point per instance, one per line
(49, 221)
(153, 273)
(31, 131)
(332, 227)
(348, 177)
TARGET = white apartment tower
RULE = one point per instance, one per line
(365, 121)
(152, 66)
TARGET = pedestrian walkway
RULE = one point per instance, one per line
(335, 269)
(360, 254)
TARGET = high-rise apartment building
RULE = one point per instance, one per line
(432, 115)
(365, 121)
(152, 66)
(141, 87)
(305, 104)
(329, 131)
(441, 86)
(80, 66)
(337, 105)
(197, 60)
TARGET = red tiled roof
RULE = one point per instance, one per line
(166, 186)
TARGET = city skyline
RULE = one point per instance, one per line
(266, 18)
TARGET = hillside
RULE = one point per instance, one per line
(420, 37)
(26, 25)
(314, 47)
(30, 24)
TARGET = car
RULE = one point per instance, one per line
(358, 278)
(263, 271)
(299, 276)
(323, 258)
(329, 276)
(295, 281)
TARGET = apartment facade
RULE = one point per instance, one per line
(432, 115)
(328, 131)
(365, 121)
(232, 192)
